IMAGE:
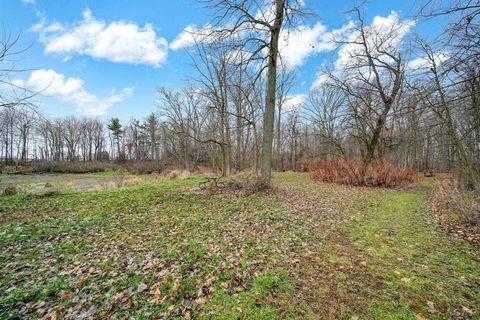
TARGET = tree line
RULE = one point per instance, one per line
(414, 102)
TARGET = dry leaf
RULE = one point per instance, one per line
(65, 294)
(201, 300)
(80, 282)
(467, 310)
(269, 298)
(176, 286)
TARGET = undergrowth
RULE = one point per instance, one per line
(356, 173)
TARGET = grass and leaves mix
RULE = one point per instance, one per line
(301, 250)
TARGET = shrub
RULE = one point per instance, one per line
(456, 211)
(203, 169)
(143, 167)
(133, 167)
(10, 190)
(356, 173)
(72, 167)
(306, 165)
(448, 201)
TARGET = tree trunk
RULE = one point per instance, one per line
(277, 142)
(239, 137)
(373, 143)
(269, 115)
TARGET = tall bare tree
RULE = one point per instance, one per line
(259, 24)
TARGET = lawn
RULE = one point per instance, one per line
(302, 250)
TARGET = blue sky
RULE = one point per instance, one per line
(105, 80)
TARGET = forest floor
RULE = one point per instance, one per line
(302, 250)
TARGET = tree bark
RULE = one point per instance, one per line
(269, 115)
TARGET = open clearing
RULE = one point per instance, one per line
(302, 250)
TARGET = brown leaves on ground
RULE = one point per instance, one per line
(456, 211)
(328, 287)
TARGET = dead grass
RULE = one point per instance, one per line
(177, 174)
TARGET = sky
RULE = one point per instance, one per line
(104, 58)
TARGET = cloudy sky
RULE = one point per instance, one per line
(105, 58)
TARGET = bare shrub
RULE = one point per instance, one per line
(72, 167)
(449, 201)
(246, 183)
(203, 169)
(306, 165)
(143, 167)
(457, 211)
(10, 190)
(356, 173)
(133, 167)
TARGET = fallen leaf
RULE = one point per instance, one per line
(406, 280)
(157, 297)
(176, 286)
(128, 304)
(65, 294)
(467, 310)
(269, 298)
(80, 282)
(201, 300)
(316, 260)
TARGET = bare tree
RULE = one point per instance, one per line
(12, 93)
(286, 82)
(326, 109)
(260, 25)
(374, 64)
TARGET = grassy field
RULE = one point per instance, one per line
(303, 250)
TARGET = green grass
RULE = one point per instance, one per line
(305, 250)
(419, 264)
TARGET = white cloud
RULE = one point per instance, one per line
(118, 41)
(71, 90)
(384, 34)
(29, 1)
(294, 102)
(190, 36)
(298, 44)
(322, 78)
(421, 63)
